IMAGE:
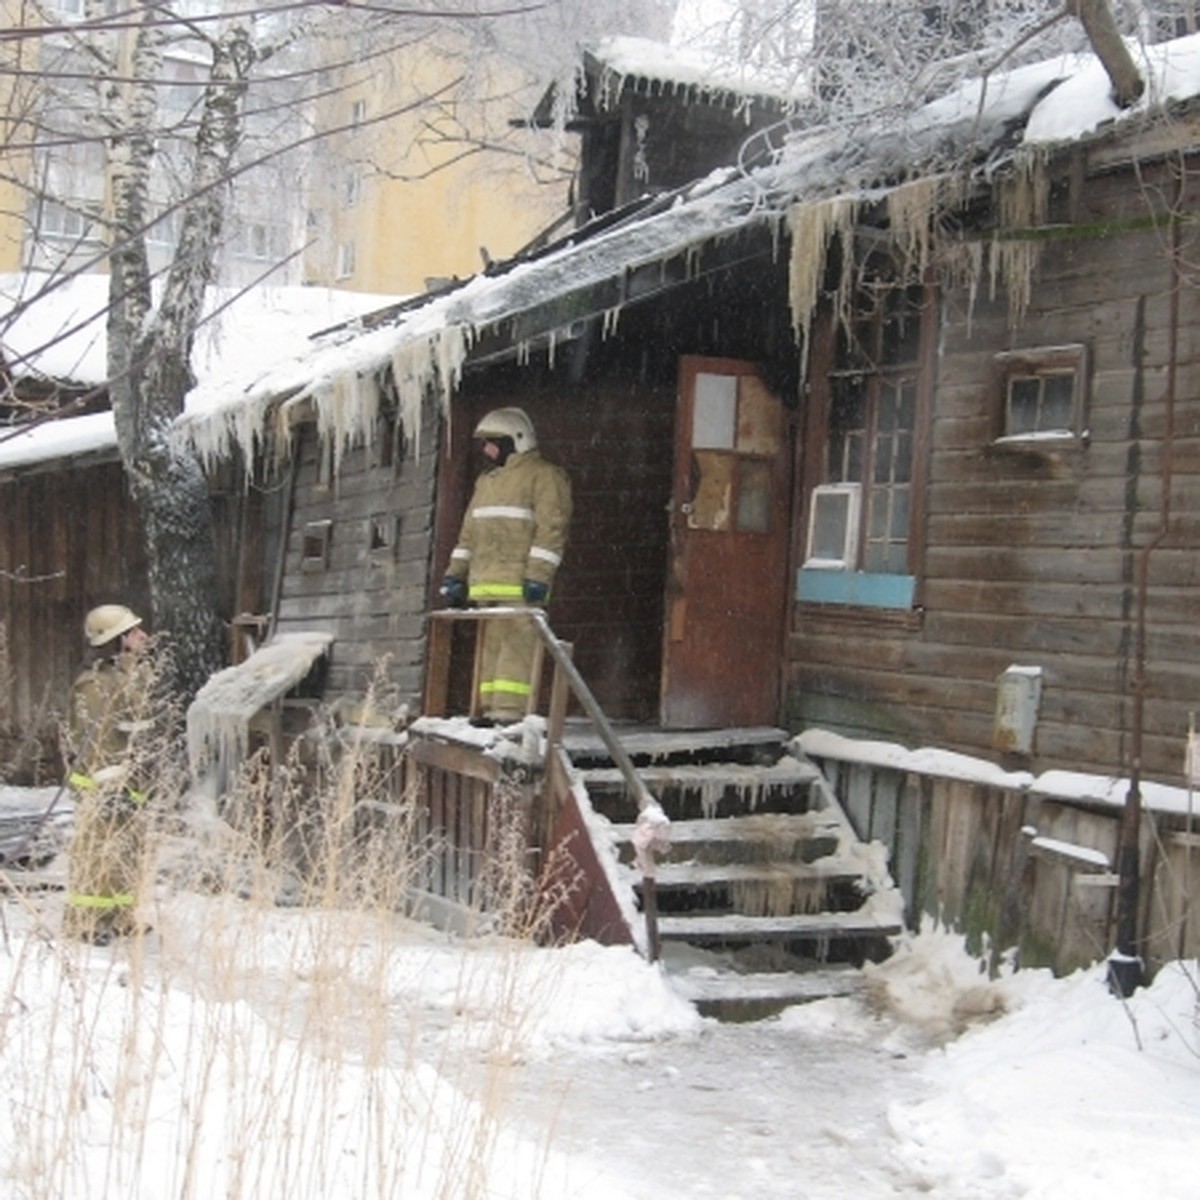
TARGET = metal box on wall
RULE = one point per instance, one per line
(1018, 696)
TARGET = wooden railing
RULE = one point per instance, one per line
(652, 827)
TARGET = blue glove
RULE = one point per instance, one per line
(535, 593)
(454, 592)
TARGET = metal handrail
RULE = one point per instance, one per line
(651, 831)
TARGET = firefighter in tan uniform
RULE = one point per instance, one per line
(511, 544)
(110, 704)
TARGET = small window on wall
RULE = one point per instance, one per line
(314, 556)
(1041, 394)
(383, 536)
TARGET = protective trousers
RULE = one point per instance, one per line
(506, 666)
(105, 866)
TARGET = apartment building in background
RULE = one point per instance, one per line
(392, 185)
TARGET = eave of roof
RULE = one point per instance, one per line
(977, 129)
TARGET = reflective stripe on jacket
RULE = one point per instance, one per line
(515, 528)
(120, 900)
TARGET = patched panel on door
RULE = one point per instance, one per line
(711, 501)
(760, 420)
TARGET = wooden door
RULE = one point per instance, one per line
(728, 567)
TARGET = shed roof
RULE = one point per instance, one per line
(57, 333)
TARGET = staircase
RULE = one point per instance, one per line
(768, 898)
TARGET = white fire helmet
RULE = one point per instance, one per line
(509, 422)
(109, 621)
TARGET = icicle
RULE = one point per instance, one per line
(960, 267)
(779, 896)
(218, 720)
(1023, 200)
(813, 227)
(347, 412)
(911, 209)
(428, 365)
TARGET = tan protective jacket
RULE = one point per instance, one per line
(110, 702)
(515, 528)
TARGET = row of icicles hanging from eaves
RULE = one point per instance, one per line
(923, 238)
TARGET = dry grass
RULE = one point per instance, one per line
(285, 1030)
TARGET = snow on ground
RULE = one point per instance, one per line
(244, 1050)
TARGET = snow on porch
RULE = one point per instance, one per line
(218, 721)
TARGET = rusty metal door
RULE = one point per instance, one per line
(727, 574)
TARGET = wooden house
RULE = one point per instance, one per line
(855, 443)
(887, 442)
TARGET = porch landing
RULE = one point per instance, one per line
(650, 743)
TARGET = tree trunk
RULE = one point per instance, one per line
(1101, 27)
(150, 349)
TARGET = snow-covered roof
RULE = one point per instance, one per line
(56, 441)
(1062, 99)
(623, 61)
(59, 335)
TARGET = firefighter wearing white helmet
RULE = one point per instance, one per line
(511, 545)
(111, 707)
(512, 423)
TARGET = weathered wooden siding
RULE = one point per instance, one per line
(69, 539)
(1032, 556)
(963, 854)
(373, 602)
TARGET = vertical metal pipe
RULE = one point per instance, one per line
(1126, 971)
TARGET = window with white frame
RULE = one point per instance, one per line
(345, 260)
(833, 526)
(71, 221)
